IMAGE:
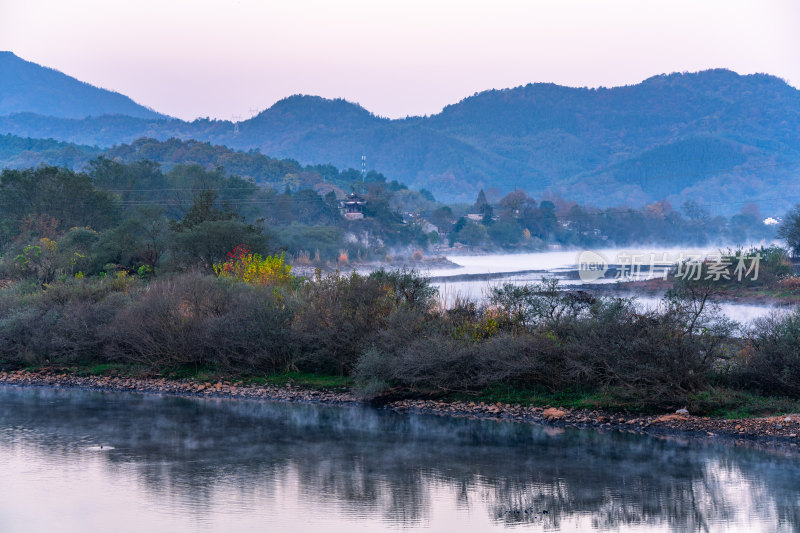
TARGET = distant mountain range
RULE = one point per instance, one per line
(715, 137)
(28, 87)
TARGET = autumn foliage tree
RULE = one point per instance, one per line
(253, 269)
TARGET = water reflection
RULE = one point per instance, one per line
(224, 464)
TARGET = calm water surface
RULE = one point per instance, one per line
(532, 267)
(191, 465)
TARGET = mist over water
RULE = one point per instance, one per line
(476, 275)
(180, 465)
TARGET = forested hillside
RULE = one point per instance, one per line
(22, 153)
(714, 137)
(28, 87)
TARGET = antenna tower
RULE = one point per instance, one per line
(363, 168)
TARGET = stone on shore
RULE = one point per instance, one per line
(553, 414)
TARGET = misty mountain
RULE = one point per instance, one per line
(716, 137)
(32, 88)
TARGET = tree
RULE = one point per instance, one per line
(204, 209)
(541, 221)
(790, 230)
(253, 269)
(694, 211)
(442, 218)
(511, 205)
(310, 208)
(133, 183)
(428, 195)
(66, 196)
(472, 234)
(141, 239)
(209, 242)
(505, 232)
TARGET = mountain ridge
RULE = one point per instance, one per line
(713, 129)
(26, 86)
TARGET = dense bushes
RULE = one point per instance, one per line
(537, 336)
(195, 319)
(387, 330)
(337, 318)
(441, 362)
(322, 325)
(771, 363)
(65, 324)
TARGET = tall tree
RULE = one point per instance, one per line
(790, 230)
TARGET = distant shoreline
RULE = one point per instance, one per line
(782, 431)
(656, 287)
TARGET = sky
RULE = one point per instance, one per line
(232, 59)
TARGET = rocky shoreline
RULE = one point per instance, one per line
(781, 431)
(176, 387)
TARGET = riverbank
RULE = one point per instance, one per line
(782, 431)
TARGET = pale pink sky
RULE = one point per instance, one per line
(191, 58)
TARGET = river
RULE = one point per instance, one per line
(82, 461)
(475, 275)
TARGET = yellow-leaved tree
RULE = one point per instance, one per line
(244, 265)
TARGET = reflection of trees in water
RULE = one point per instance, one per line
(680, 506)
(686, 487)
(378, 464)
